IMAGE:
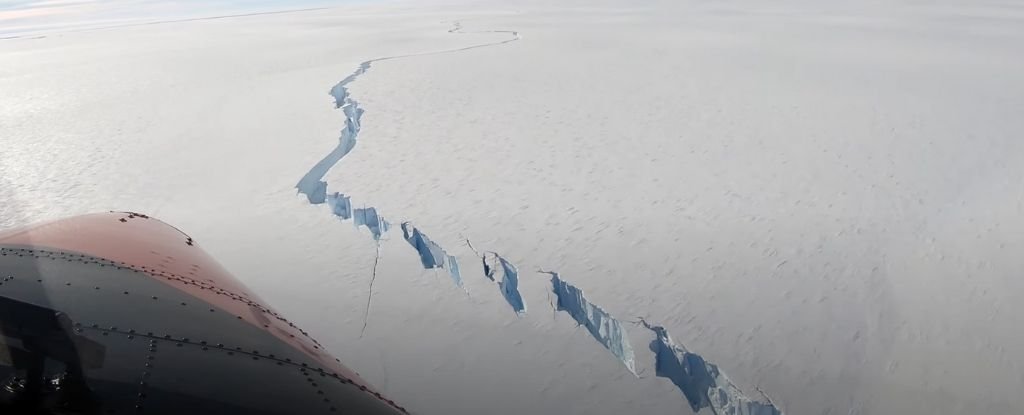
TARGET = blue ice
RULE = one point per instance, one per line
(703, 384)
(431, 254)
(605, 328)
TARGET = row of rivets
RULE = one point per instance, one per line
(254, 354)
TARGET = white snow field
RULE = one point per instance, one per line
(823, 198)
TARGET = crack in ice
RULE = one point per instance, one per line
(313, 185)
(606, 329)
(431, 254)
(702, 383)
(509, 284)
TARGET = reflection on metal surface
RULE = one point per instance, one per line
(121, 313)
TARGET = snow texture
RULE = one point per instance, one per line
(605, 328)
(703, 384)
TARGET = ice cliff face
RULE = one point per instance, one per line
(431, 254)
(509, 283)
(369, 218)
(703, 384)
(605, 328)
(340, 204)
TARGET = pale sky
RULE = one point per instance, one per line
(41, 17)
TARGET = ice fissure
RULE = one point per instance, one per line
(431, 254)
(703, 385)
(606, 329)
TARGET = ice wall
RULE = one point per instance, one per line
(431, 254)
(509, 284)
(605, 328)
(703, 384)
(369, 218)
(340, 204)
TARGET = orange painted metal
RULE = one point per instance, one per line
(168, 255)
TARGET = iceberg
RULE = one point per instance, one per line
(703, 384)
(431, 254)
(605, 328)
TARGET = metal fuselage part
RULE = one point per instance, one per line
(120, 313)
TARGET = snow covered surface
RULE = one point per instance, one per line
(821, 197)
